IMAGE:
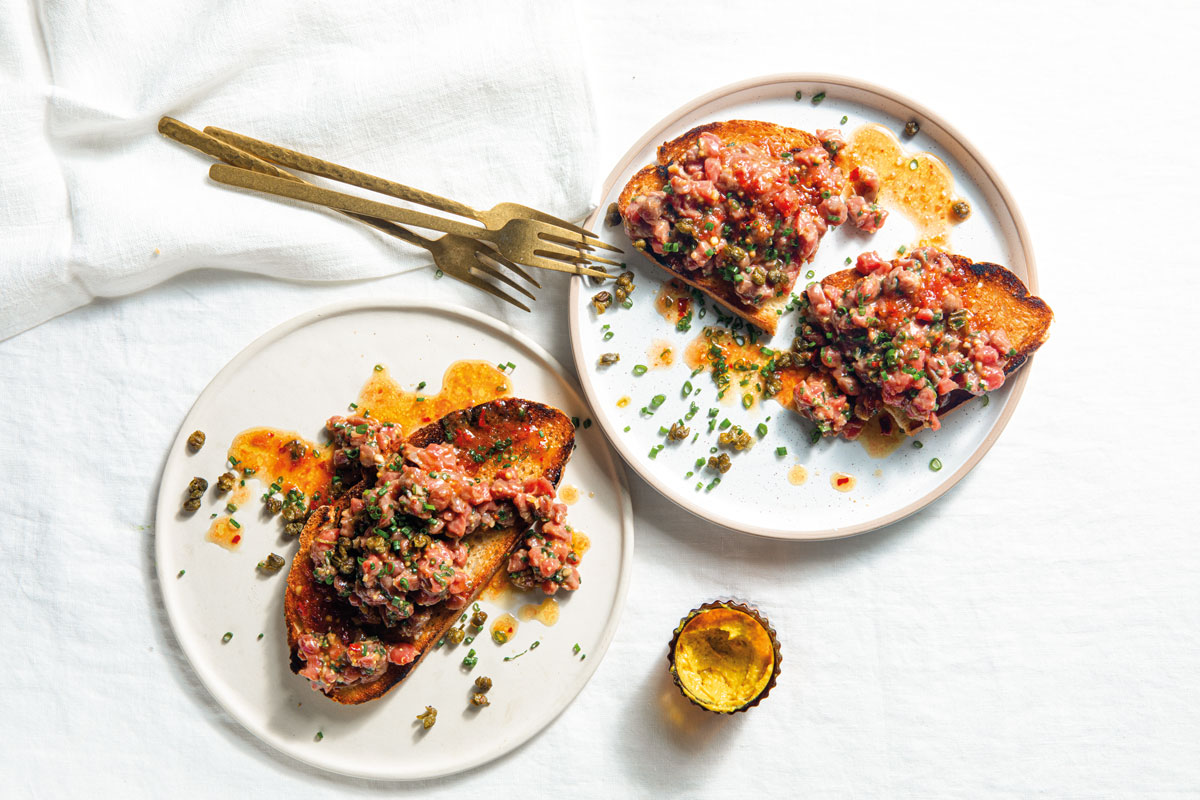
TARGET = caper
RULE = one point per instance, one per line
(608, 359)
(293, 512)
(784, 360)
(421, 540)
(625, 279)
(735, 437)
(735, 253)
(293, 528)
(758, 276)
(799, 345)
(483, 683)
(962, 209)
(686, 227)
(912, 128)
(639, 244)
(429, 718)
(456, 635)
(478, 618)
(776, 277)
(480, 700)
(296, 449)
(601, 301)
(274, 505)
(720, 463)
(225, 482)
(621, 292)
(773, 386)
(376, 544)
(679, 432)
(272, 563)
(196, 440)
(613, 215)
(191, 504)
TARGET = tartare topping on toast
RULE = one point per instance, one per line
(899, 338)
(401, 546)
(750, 212)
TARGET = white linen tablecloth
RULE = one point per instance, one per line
(1036, 632)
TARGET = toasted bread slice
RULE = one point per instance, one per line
(997, 300)
(654, 177)
(312, 607)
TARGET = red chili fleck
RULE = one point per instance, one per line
(236, 538)
(843, 481)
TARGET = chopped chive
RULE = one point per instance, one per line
(228, 635)
(379, 367)
(235, 523)
(657, 400)
(817, 98)
(983, 401)
(781, 451)
(799, 96)
(935, 464)
(845, 120)
(747, 400)
(181, 572)
(608, 335)
(321, 735)
(761, 429)
(917, 444)
(639, 369)
(438, 274)
(421, 385)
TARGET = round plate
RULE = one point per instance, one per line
(295, 377)
(756, 496)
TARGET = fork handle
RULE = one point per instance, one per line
(210, 145)
(340, 201)
(337, 172)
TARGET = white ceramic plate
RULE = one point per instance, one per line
(756, 496)
(269, 384)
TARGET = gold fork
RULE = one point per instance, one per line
(525, 241)
(493, 218)
(456, 256)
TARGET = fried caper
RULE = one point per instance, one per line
(197, 487)
(608, 359)
(272, 563)
(784, 360)
(962, 209)
(293, 528)
(483, 683)
(639, 244)
(621, 292)
(912, 128)
(293, 512)
(455, 635)
(758, 276)
(686, 227)
(679, 432)
(478, 618)
(376, 544)
(274, 505)
(776, 277)
(601, 301)
(735, 254)
(612, 216)
(225, 482)
(196, 440)
(720, 463)
(191, 504)
(480, 700)
(296, 449)
(429, 718)
(421, 540)
(736, 438)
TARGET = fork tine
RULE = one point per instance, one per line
(541, 216)
(587, 242)
(488, 269)
(480, 283)
(541, 261)
(512, 265)
(573, 255)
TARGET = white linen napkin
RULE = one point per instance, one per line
(95, 203)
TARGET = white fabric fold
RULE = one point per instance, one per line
(94, 203)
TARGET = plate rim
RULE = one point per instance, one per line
(390, 303)
(671, 121)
